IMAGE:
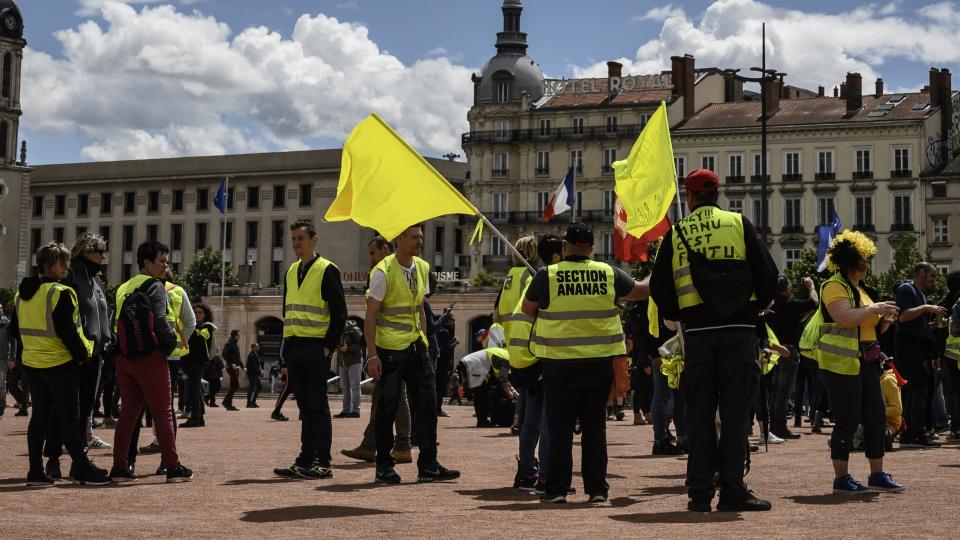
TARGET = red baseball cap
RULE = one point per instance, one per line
(702, 180)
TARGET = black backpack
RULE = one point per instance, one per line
(725, 285)
(135, 334)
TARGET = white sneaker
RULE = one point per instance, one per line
(772, 439)
(98, 443)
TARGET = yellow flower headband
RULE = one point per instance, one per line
(860, 242)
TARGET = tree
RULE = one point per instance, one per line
(906, 255)
(205, 268)
(484, 279)
(805, 266)
(6, 300)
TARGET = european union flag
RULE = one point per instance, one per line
(827, 233)
(220, 199)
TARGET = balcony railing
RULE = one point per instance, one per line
(862, 175)
(735, 179)
(542, 171)
(533, 217)
(901, 173)
(792, 229)
(500, 173)
(622, 131)
(792, 177)
(865, 227)
(901, 227)
(820, 176)
(759, 178)
(606, 169)
(494, 262)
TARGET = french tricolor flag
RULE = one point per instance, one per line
(562, 199)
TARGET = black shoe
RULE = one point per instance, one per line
(250, 405)
(342, 414)
(926, 442)
(315, 472)
(152, 448)
(666, 448)
(515, 431)
(525, 484)
(278, 416)
(90, 475)
(442, 414)
(387, 475)
(39, 479)
(288, 472)
(193, 422)
(352, 415)
(553, 498)
(437, 473)
(785, 434)
(750, 504)
(53, 468)
(214, 404)
(179, 474)
(22, 412)
(161, 470)
(121, 475)
(699, 506)
(230, 407)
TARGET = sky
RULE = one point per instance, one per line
(135, 79)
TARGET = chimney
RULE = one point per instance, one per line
(854, 93)
(614, 80)
(879, 90)
(946, 106)
(843, 90)
(772, 94)
(683, 77)
(820, 91)
(935, 93)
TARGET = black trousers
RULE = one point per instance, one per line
(443, 379)
(307, 367)
(253, 389)
(721, 372)
(87, 375)
(107, 382)
(483, 397)
(572, 390)
(915, 368)
(414, 366)
(952, 397)
(214, 387)
(55, 394)
(194, 373)
(856, 400)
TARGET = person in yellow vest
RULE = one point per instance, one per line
(850, 361)
(394, 329)
(718, 325)
(576, 336)
(314, 313)
(202, 345)
(516, 281)
(52, 347)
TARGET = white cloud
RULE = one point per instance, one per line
(659, 13)
(138, 90)
(813, 48)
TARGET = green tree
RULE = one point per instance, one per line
(6, 300)
(805, 266)
(205, 268)
(485, 279)
(906, 255)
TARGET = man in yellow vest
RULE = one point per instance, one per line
(395, 328)
(720, 351)
(576, 336)
(314, 312)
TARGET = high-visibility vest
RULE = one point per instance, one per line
(398, 323)
(838, 350)
(952, 350)
(717, 234)
(518, 335)
(42, 348)
(496, 352)
(766, 366)
(175, 294)
(582, 320)
(513, 286)
(306, 314)
(125, 290)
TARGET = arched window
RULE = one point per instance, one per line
(7, 75)
(4, 144)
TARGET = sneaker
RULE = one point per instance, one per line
(770, 439)
(386, 475)
(882, 481)
(786, 434)
(352, 415)
(179, 474)
(554, 499)
(401, 456)
(618, 414)
(90, 475)
(750, 504)
(525, 484)
(98, 443)
(39, 479)
(287, 472)
(442, 414)
(315, 472)
(52, 468)
(122, 475)
(698, 505)
(598, 498)
(361, 454)
(161, 470)
(927, 442)
(437, 473)
(541, 488)
(846, 485)
(341, 414)
(666, 448)
(109, 421)
(22, 412)
(152, 448)
(278, 416)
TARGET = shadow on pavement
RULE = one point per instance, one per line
(653, 491)
(503, 494)
(649, 456)
(679, 517)
(258, 481)
(535, 504)
(294, 513)
(358, 465)
(498, 435)
(350, 488)
(679, 476)
(609, 475)
(951, 465)
(831, 499)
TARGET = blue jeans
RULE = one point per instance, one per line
(667, 403)
(785, 382)
(534, 429)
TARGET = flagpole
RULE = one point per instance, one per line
(576, 200)
(223, 242)
(508, 242)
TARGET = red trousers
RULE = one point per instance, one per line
(145, 379)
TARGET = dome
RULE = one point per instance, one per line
(520, 72)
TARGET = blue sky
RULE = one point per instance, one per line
(100, 82)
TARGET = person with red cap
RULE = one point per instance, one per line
(714, 275)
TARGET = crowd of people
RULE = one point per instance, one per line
(709, 348)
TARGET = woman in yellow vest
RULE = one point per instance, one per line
(46, 324)
(850, 361)
(201, 343)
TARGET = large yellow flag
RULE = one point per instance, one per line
(386, 185)
(647, 180)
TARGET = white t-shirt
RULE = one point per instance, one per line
(378, 282)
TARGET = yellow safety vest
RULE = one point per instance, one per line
(516, 282)
(125, 290)
(766, 366)
(838, 350)
(716, 233)
(398, 323)
(952, 350)
(175, 294)
(518, 335)
(42, 348)
(496, 352)
(582, 319)
(306, 314)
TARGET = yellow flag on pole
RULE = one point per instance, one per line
(647, 180)
(387, 185)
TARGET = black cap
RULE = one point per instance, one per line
(579, 234)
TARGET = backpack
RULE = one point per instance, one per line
(135, 334)
(725, 285)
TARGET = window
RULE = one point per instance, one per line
(106, 204)
(279, 196)
(60, 205)
(544, 127)
(438, 239)
(901, 160)
(83, 204)
(129, 202)
(607, 250)
(736, 165)
(200, 233)
(228, 242)
(275, 272)
(576, 161)
(708, 162)
(611, 124)
(38, 206)
(105, 233)
(824, 161)
(578, 204)
(735, 205)
(125, 274)
(500, 130)
(644, 118)
(497, 247)
(825, 210)
(862, 161)
(863, 210)
(500, 164)
(279, 233)
(761, 221)
(543, 198)
(609, 156)
(36, 238)
(543, 163)
(128, 238)
(58, 234)
(153, 201)
(941, 230)
(503, 92)
(944, 269)
(230, 193)
(176, 236)
(577, 125)
(678, 211)
(177, 204)
(609, 199)
(901, 212)
(306, 195)
(153, 232)
(7, 75)
(939, 189)
(499, 204)
(758, 163)
(253, 229)
(203, 199)
(680, 162)
(791, 163)
(791, 256)
(793, 215)
(79, 231)
(253, 197)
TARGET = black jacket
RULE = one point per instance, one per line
(254, 367)
(63, 323)
(94, 313)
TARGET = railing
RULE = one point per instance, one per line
(792, 229)
(541, 171)
(863, 175)
(864, 227)
(901, 227)
(792, 177)
(606, 169)
(500, 173)
(497, 261)
(532, 217)
(901, 173)
(825, 176)
(735, 179)
(622, 131)
(759, 178)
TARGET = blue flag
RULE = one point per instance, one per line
(220, 199)
(827, 233)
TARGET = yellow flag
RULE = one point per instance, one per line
(647, 180)
(386, 185)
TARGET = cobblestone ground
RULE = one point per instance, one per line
(234, 492)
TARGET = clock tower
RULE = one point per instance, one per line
(14, 174)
